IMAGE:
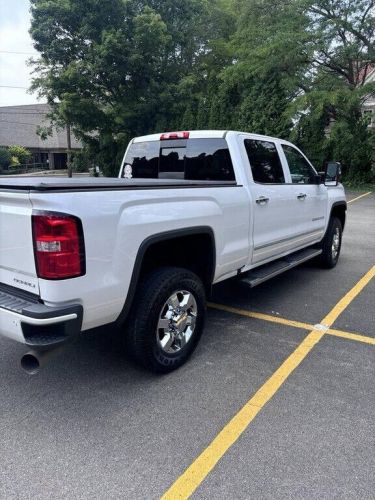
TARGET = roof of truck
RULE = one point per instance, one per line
(204, 134)
(193, 134)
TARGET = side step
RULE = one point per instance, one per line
(263, 273)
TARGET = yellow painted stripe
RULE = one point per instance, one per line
(187, 483)
(348, 298)
(193, 476)
(296, 324)
(359, 197)
(265, 317)
(351, 336)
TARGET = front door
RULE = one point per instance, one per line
(309, 199)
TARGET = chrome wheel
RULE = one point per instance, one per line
(177, 321)
(336, 243)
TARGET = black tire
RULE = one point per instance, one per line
(143, 339)
(329, 258)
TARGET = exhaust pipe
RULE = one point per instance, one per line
(32, 361)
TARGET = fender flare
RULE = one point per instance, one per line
(338, 204)
(157, 238)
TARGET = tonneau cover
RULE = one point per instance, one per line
(101, 183)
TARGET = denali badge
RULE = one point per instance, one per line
(25, 283)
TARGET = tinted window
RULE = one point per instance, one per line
(208, 160)
(264, 161)
(192, 159)
(300, 169)
(143, 157)
(172, 163)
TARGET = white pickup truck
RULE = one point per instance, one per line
(189, 210)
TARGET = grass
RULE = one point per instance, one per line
(358, 186)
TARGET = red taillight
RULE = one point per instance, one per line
(58, 246)
(174, 135)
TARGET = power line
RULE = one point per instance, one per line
(12, 87)
(22, 112)
(20, 53)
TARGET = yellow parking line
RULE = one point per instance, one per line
(348, 298)
(351, 336)
(359, 197)
(264, 317)
(187, 483)
(288, 322)
(193, 476)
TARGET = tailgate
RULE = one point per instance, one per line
(17, 265)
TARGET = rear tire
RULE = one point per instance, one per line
(166, 320)
(331, 244)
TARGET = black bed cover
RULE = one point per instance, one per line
(99, 183)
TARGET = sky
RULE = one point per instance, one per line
(15, 49)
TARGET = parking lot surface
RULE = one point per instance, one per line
(277, 402)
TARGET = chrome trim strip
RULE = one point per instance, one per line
(276, 242)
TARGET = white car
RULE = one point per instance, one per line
(189, 210)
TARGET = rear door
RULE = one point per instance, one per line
(17, 265)
(309, 200)
(273, 232)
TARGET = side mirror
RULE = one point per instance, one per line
(332, 173)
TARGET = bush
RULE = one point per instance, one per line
(22, 154)
(5, 158)
(14, 162)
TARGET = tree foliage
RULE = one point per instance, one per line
(5, 158)
(21, 154)
(291, 68)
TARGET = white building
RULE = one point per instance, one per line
(369, 104)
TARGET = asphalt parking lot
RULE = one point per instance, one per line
(277, 402)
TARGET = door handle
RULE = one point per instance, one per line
(301, 196)
(262, 200)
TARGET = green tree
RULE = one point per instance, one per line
(5, 158)
(291, 68)
(305, 63)
(343, 37)
(114, 69)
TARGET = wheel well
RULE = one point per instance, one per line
(195, 252)
(339, 211)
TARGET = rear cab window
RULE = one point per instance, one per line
(264, 160)
(186, 159)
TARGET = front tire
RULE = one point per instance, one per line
(331, 244)
(166, 320)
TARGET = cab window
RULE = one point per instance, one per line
(301, 171)
(264, 162)
(191, 159)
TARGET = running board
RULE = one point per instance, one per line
(263, 273)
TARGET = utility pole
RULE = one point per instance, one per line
(69, 151)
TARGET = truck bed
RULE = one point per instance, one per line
(101, 183)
